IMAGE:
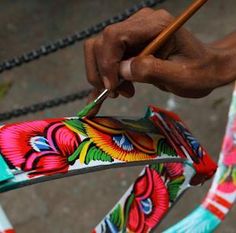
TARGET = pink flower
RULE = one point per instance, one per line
(229, 150)
(227, 182)
(41, 147)
(227, 187)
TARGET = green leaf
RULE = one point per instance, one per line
(117, 217)
(76, 153)
(158, 167)
(75, 125)
(128, 204)
(173, 187)
(95, 154)
(163, 147)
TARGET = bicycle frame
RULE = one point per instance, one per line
(38, 151)
(220, 198)
(222, 194)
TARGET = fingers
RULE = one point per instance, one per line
(104, 53)
(126, 89)
(108, 53)
(150, 69)
(178, 77)
(93, 74)
(173, 68)
(111, 46)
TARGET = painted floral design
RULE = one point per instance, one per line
(42, 147)
(51, 146)
(185, 145)
(174, 170)
(150, 198)
(109, 135)
(229, 149)
(227, 182)
(148, 202)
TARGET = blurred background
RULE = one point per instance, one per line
(77, 204)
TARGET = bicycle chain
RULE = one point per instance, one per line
(52, 47)
(44, 105)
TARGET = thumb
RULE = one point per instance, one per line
(149, 69)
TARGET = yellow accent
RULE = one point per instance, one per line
(122, 216)
(83, 152)
(120, 155)
(119, 131)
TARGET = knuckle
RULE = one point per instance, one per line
(110, 32)
(88, 44)
(117, 34)
(105, 65)
(88, 41)
(98, 43)
(149, 69)
(145, 10)
(164, 14)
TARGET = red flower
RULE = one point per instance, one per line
(38, 146)
(174, 169)
(150, 202)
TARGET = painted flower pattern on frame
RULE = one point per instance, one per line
(110, 136)
(41, 147)
(147, 203)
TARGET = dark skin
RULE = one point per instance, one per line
(184, 66)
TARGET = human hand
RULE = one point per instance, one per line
(184, 66)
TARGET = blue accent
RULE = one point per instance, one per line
(199, 221)
(112, 228)
(146, 206)
(192, 140)
(123, 142)
(40, 143)
(196, 146)
(5, 172)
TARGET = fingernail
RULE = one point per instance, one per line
(107, 83)
(125, 69)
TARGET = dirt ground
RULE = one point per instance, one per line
(77, 204)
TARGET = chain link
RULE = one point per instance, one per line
(52, 47)
(44, 105)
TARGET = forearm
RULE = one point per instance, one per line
(226, 58)
(228, 41)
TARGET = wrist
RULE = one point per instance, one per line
(224, 63)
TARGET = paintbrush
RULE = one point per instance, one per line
(152, 47)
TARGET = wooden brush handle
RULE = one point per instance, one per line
(172, 28)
